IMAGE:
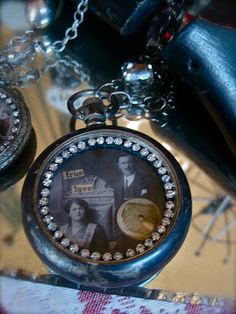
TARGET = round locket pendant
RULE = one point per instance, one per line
(106, 206)
(15, 126)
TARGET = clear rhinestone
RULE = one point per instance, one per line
(48, 174)
(151, 157)
(13, 106)
(148, 243)
(74, 248)
(169, 185)
(165, 178)
(100, 140)
(168, 213)
(179, 298)
(8, 101)
(157, 163)
(52, 226)
(155, 236)
(170, 193)
(162, 170)
(162, 296)
(65, 242)
(85, 253)
(73, 149)
(14, 130)
(196, 299)
(58, 234)
(48, 219)
(59, 160)
(92, 141)
(81, 145)
(107, 257)
(161, 229)
(65, 154)
(10, 137)
(137, 75)
(165, 221)
(47, 182)
(140, 248)
(170, 205)
(130, 252)
(118, 256)
(128, 143)
(109, 140)
(43, 201)
(118, 141)
(45, 192)
(136, 147)
(44, 210)
(16, 113)
(3, 96)
(16, 121)
(53, 167)
(96, 256)
(144, 152)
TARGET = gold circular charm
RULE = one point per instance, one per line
(137, 218)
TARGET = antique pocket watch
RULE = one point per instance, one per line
(15, 126)
(105, 206)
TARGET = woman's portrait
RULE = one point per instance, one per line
(80, 227)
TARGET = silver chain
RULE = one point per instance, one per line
(71, 32)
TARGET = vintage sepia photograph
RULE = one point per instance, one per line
(106, 200)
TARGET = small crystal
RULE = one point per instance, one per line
(144, 152)
(43, 201)
(128, 143)
(81, 145)
(45, 192)
(170, 204)
(140, 248)
(109, 140)
(157, 163)
(165, 221)
(151, 157)
(118, 141)
(65, 242)
(96, 256)
(14, 130)
(165, 178)
(16, 121)
(44, 210)
(162, 296)
(170, 194)
(53, 167)
(73, 149)
(8, 101)
(47, 182)
(48, 219)
(59, 160)
(118, 256)
(162, 170)
(92, 141)
(195, 299)
(169, 185)
(155, 236)
(52, 226)
(130, 253)
(168, 213)
(58, 234)
(107, 257)
(65, 154)
(10, 137)
(85, 253)
(161, 229)
(136, 147)
(16, 113)
(74, 248)
(48, 174)
(138, 75)
(179, 298)
(148, 243)
(13, 106)
(100, 140)
(3, 96)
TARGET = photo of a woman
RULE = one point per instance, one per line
(80, 229)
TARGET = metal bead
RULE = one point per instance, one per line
(40, 13)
